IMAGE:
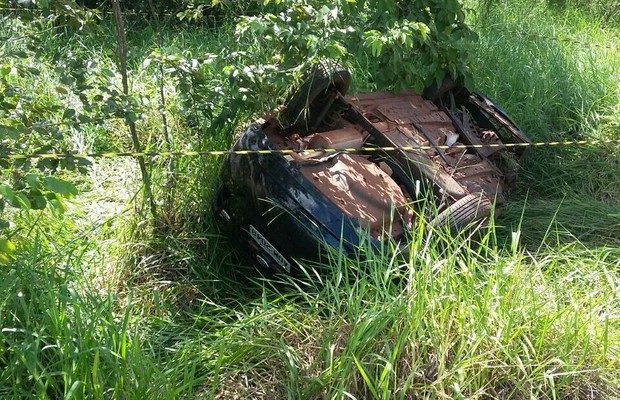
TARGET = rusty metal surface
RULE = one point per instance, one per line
(488, 107)
(349, 136)
(363, 190)
(425, 124)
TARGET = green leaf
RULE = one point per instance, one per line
(5, 259)
(6, 246)
(367, 380)
(18, 200)
(7, 193)
(22, 202)
(5, 70)
(10, 131)
(69, 113)
(58, 205)
(440, 74)
(60, 186)
(336, 50)
(37, 200)
(132, 117)
(33, 181)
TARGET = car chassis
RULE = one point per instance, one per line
(448, 142)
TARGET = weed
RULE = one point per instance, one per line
(100, 305)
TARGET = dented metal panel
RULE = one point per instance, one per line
(362, 190)
(423, 123)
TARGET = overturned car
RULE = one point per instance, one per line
(364, 167)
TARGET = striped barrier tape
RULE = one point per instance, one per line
(217, 153)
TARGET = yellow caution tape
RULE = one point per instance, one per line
(217, 153)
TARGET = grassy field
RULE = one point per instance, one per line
(99, 306)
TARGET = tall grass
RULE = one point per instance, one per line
(556, 71)
(105, 308)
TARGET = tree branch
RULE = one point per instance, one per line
(122, 55)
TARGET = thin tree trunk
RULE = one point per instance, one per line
(122, 55)
(170, 170)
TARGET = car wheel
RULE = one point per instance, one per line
(471, 208)
(313, 103)
(435, 93)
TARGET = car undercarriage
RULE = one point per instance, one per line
(365, 165)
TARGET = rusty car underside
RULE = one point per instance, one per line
(364, 168)
(366, 187)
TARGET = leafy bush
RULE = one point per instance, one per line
(30, 123)
(403, 44)
(412, 43)
(43, 107)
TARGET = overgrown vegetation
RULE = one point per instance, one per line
(97, 302)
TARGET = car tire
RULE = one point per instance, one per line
(435, 93)
(313, 102)
(464, 212)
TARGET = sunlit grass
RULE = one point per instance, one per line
(109, 308)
